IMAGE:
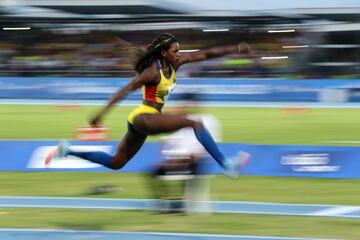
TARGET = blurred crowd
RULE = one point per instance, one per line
(107, 53)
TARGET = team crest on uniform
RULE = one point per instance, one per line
(162, 94)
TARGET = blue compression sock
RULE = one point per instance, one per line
(210, 145)
(99, 157)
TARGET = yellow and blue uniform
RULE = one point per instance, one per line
(157, 93)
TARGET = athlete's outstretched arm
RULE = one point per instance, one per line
(241, 48)
(148, 75)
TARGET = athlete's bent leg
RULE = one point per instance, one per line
(161, 123)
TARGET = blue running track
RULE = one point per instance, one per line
(147, 204)
(38, 234)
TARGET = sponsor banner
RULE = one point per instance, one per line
(307, 161)
(34, 156)
(266, 160)
(304, 90)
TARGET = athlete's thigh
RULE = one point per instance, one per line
(161, 123)
(129, 145)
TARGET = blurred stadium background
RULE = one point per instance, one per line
(72, 54)
(77, 39)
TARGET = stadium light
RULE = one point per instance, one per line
(216, 30)
(189, 50)
(15, 28)
(281, 31)
(276, 57)
(298, 46)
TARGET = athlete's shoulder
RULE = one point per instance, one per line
(151, 74)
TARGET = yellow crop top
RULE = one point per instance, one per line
(159, 93)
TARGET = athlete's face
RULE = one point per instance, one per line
(172, 54)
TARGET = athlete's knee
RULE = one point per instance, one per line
(196, 125)
(118, 162)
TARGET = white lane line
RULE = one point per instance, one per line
(78, 198)
(336, 211)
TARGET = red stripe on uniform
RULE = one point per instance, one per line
(150, 93)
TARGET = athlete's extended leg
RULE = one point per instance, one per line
(128, 147)
(161, 123)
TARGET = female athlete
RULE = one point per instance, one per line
(156, 70)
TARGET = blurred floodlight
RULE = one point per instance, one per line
(275, 57)
(281, 31)
(336, 27)
(15, 28)
(189, 50)
(336, 46)
(216, 30)
(336, 64)
(296, 46)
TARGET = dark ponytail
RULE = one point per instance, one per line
(147, 56)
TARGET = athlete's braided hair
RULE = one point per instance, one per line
(153, 51)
